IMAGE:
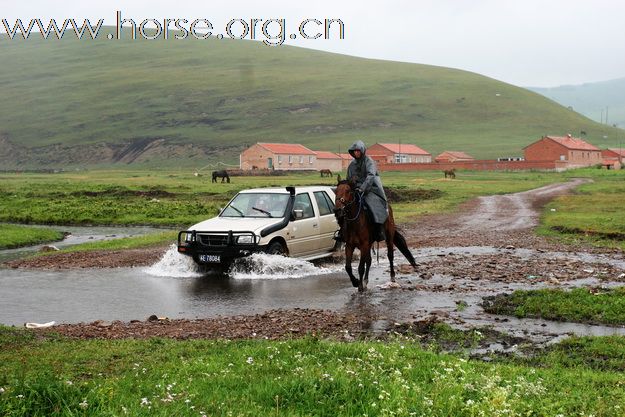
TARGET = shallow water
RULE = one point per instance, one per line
(175, 288)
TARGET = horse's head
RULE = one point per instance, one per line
(345, 198)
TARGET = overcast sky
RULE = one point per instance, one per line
(522, 42)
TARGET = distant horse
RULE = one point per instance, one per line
(223, 174)
(357, 233)
(325, 173)
(451, 173)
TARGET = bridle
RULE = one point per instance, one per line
(342, 211)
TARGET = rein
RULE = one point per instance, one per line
(346, 205)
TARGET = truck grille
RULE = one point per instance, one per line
(214, 240)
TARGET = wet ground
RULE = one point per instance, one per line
(488, 248)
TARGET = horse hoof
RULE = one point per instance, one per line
(355, 283)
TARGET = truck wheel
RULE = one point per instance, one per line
(276, 248)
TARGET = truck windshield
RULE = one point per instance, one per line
(256, 205)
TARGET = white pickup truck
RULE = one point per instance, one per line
(297, 222)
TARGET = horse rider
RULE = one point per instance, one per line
(364, 173)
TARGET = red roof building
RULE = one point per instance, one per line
(613, 158)
(283, 156)
(329, 160)
(453, 156)
(398, 153)
(574, 151)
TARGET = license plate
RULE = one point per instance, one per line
(214, 259)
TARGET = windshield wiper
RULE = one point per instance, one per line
(262, 211)
(238, 211)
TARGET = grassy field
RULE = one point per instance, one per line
(228, 94)
(595, 213)
(584, 305)
(13, 235)
(303, 377)
(177, 199)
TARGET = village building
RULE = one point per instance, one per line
(346, 159)
(398, 153)
(329, 160)
(574, 152)
(454, 156)
(279, 156)
(613, 158)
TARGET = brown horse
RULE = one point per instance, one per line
(325, 173)
(357, 233)
(451, 173)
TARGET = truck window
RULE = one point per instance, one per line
(323, 202)
(302, 202)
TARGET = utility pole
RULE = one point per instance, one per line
(606, 114)
(601, 116)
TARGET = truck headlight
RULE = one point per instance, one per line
(188, 237)
(245, 240)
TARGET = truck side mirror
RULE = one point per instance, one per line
(298, 214)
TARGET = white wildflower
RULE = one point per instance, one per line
(84, 403)
(250, 360)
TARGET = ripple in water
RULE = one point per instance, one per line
(174, 264)
(263, 266)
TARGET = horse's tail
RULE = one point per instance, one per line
(400, 243)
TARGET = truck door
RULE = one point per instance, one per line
(327, 221)
(305, 228)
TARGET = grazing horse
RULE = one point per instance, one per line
(223, 174)
(451, 173)
(357, 232)
(325, 173)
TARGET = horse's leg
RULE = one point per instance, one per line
(390, 234)
(363, 267)
(349, 252)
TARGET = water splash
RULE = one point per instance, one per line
(263, 266)
(174, 264)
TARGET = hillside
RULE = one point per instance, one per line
(171, 103)
(591, 99)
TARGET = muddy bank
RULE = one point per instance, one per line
(93, 259)
(296, 323)
(273, 324)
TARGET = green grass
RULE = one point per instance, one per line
(153, 239)
(179, 199)
(224, 95)
(303, 377)
(582, 305)
(601, 353)
(595, 213)
(14, 236)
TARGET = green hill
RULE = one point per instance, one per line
(592, 99)
(74, 103)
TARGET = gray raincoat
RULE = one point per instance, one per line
(364, 173)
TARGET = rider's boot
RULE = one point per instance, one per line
(378, 232)
(338, 235)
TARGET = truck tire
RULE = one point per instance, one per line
(276, 248)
